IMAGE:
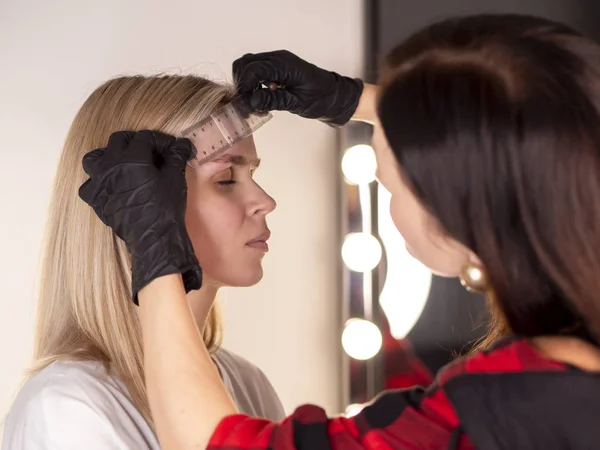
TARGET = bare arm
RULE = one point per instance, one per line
(367, 106)
(187, 397)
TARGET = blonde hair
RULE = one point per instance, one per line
(85, 310)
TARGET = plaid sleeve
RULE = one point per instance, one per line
(403, 368)
(406, 419)
(403, 419)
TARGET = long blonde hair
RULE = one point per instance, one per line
(85, 310)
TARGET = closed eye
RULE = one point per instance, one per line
(230, 178)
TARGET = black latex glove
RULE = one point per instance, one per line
(137, 187)
(303, 88)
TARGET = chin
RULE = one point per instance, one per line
(444, 272)
(432, 262)
(441, 273)
(241, 278)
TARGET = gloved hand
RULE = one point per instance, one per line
(137, 187)
(302, 87)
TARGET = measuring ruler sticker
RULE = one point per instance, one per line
(222, 129)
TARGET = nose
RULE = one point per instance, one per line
(262, 203)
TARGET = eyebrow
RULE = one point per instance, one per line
(238, 160)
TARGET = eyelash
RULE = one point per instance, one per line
(231, 181)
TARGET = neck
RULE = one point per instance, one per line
(201, 302)
(570, 350)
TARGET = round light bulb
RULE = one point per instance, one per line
(361, 339)
(361, 252)
(359, 164)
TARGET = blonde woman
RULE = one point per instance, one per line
(86, 390)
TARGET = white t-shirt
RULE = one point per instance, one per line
(75, 405)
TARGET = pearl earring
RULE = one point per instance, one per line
(474, 279)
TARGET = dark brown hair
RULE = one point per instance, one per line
(494, 120)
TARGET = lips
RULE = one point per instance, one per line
(260, 242)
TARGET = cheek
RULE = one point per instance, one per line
(407, 217)
(413, 223)
(219, 228)
(212, 223)
(424, 241)
(211, 220)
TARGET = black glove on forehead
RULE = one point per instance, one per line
(137, 187)
(304, 88)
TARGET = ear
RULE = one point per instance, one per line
(467, 256)
(474, 260)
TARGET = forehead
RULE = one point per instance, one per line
(245, 148)
(243, 153)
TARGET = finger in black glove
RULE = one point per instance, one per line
(301, 87)
(137, 187)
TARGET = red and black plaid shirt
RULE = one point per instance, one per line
(403, 369)
(417, 418)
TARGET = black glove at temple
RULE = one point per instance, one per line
(137, 187)
(302, 87)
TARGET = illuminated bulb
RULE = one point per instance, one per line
(361, 252)
(353, 410)
(361, 339)
(359, 164)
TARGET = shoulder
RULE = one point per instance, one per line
(240, 368)
(510, 354)
(239, 365)
(235, 361)
(439, 400)
(250, 387)
(71, 403)
(62, 379)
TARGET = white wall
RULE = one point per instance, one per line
(53, 54)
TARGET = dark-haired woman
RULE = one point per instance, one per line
(487, 136)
